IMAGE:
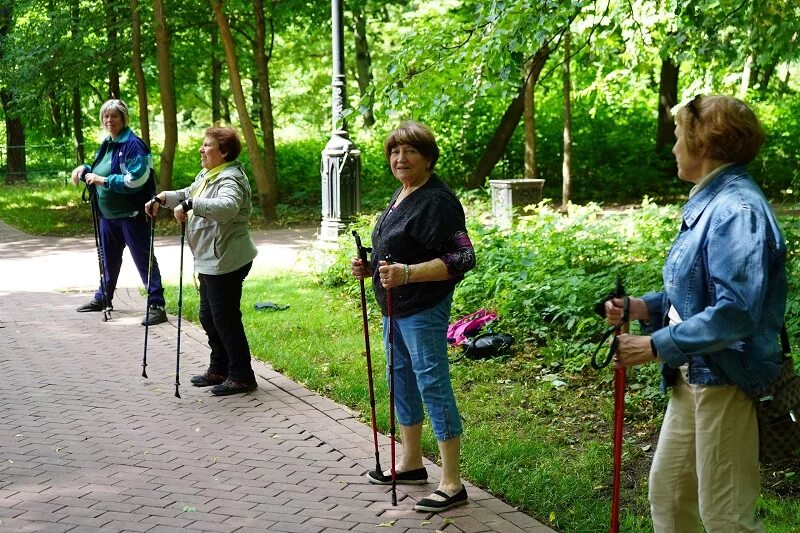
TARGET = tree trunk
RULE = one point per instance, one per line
(141, 86)
(15, 131)
(111, 49)
(667, 99)
(226, 109)
(566, 167)
(167, 90)
(255, 98)
(16, 171)
(497, 144)
(55, 114)
(766, 75)
(529, 120)
(363, 63)
(216, 79)
(746, 74)
(266, 201)
(77, 112)
(77, 125)
(262, 59)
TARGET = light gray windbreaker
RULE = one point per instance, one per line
(218, 233)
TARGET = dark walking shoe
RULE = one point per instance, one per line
(207, 379)
(155, 315)
(443, 502)
(94, 306)
(233, 387)
(418, 476)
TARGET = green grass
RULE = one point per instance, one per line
(46, 208)
(544, 449)
(52, 208)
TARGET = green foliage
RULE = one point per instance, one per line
(544, 277)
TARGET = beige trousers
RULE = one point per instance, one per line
(706, 464)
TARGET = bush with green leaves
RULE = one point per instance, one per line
(544, 276)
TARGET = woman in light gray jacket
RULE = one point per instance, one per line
(216, 210)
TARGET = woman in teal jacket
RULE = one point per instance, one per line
(122, 178)
(216, 210)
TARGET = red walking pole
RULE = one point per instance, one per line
(619, 422)
(362, 254)
(619, 392)
(390, 312)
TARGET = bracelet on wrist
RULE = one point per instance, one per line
(157, 200)
(405, 274)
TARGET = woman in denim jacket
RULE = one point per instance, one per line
(715, 325)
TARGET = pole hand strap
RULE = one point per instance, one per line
(618, 292)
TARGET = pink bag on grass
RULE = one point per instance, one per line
(468, 326)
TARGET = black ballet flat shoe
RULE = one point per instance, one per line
(412, 477)
(431, 505)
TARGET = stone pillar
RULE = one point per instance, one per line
(341, 160)
(508, 194)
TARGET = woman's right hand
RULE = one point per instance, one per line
(77, 172)
(615, 308)
(359, 270)
(151, 208)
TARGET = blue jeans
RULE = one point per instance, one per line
(421, 370)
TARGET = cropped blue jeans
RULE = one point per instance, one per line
(422, 370)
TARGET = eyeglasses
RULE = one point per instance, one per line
(692, 106)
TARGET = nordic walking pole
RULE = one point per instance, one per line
(390, 312)
(180, 307)
(149, 278)
(362, 254)
(99, 247)
(619, 407)
(619, 390)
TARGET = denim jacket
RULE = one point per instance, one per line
(725, 275)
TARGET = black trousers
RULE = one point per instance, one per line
(221, 317)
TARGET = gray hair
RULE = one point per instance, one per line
(117, 106)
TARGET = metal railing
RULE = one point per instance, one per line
(54, 159)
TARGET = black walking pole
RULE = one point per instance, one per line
(362, 254)
(180, 307)
(149, 278)
(390, 312)
(98, 244)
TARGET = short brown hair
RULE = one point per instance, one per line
(721, 127)
(413, 134)
(228, 141)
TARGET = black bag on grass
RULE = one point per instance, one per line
(486, 346)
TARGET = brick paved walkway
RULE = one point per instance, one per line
(87, 444)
